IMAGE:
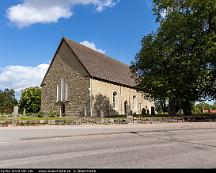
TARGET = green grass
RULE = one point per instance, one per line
(44, 118)
(118, 117)
(3, 118)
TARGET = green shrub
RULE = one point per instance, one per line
(4, 115)
(52, 114)
(40, 114)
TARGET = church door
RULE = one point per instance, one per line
(62, 110)
(126, 108)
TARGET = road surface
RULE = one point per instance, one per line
(173, 145)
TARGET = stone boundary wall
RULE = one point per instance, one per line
(108, 121)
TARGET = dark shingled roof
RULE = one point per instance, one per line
(101, 66)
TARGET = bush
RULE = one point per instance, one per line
(40, 114)
(52, 114)
(4, 115)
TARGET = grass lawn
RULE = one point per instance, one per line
(43, 118)
(118, 117)
(3, 118)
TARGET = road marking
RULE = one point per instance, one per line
(3, 142)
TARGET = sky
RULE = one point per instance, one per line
(31, 30)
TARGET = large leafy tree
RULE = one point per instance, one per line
(205, 106)
(31, 100)
(178, 62)
(7, 100)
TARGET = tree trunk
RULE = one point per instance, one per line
(172, 107)
(186, 106)
(163, 106)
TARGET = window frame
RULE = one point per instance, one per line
(62, 92)
(115, 100)
(134, 102)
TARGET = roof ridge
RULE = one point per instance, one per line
(105, 56)
(100, 65)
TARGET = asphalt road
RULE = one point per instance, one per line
(108, 147)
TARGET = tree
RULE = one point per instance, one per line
(31, 100)
(161, 106)
(7, 100)
(178, 61)
(204, 106)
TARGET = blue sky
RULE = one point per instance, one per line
(32, 29)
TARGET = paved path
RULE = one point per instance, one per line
(172, 145)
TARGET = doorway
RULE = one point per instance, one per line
(144, 111)
(152, 110)
(62, 110)
(126, 108)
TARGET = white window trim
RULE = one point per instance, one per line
(62, 91)
(135, 103)
(57, 93)
(66, 91)
(116, 101)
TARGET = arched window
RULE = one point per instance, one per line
(62, 91)
(58, 93)
(134, 102)
(66, 91)
(115, 100)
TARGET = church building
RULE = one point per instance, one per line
(83, 82)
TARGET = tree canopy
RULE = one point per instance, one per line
(206, 106)
(7, 100)
(178, 61)
(31, 100)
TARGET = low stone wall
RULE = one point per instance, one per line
(107, 121)
(5, 123)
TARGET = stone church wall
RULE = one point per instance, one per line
(66, 66)
(124, 94)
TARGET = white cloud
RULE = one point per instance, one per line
(21, 77)
(163, 14)
(49, 11)
(92, 46)
(107, 3)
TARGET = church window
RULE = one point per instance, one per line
(62, 91)
(115, 101)
(134, 102)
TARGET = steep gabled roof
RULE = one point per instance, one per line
(98, 65)
(101, 66)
